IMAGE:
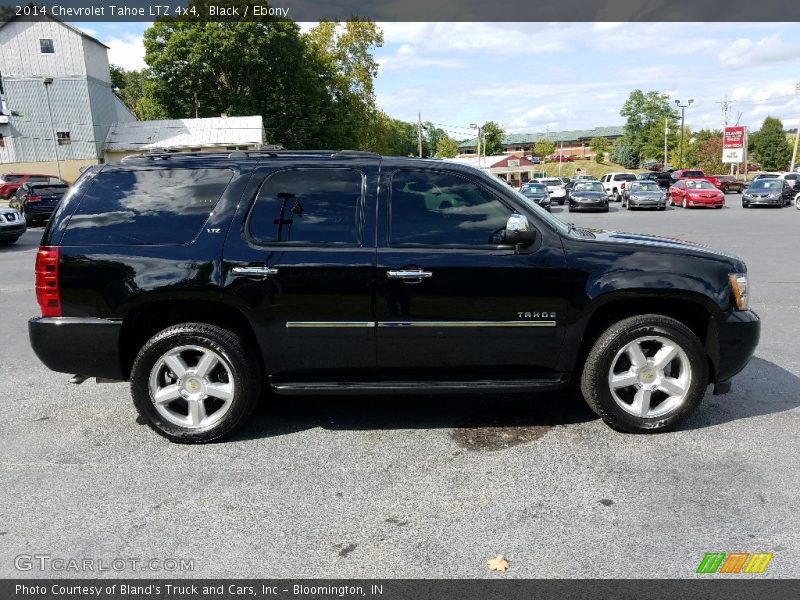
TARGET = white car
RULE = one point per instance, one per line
(614, 183)
(12, 226)
(556, 187)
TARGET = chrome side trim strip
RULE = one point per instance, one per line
(328, 324)
(466, 324)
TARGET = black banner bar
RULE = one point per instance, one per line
(730, 588)
(679, 11)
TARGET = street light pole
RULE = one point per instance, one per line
(480, 132)
(796, 136)
(47, 81)
(683, 108)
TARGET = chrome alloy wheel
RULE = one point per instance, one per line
(191, 386)
(650, 377)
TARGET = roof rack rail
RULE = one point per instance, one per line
(356, 153)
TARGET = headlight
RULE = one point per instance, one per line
(633, 197)
(741, 294)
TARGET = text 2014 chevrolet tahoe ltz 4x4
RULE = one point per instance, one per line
(208, 279)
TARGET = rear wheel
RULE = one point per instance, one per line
(797, 202)
(195, 383)
(645, 374)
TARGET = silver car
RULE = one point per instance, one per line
(644, 194)
(12, 225)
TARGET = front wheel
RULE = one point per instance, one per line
(685, 204)
(195, 382)
(645, 374)
(797, 202)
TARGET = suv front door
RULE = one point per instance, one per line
(452, 298)
(299, 261)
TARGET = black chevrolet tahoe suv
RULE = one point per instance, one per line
(208, 279)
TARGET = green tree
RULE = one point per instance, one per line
(709, 156)
(543, 148)
(771, 147)
(624, 154)
(135, 89)
(646, 115)
(492, 139)
(599, 147)
(446, 147)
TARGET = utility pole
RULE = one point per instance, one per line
(666, 132)
(796, 136)
(480, 132)
(419, 133)
(683, 108)
(726, 105)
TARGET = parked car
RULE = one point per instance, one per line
(560, 158)
(587, 195)
(695, 192)
(662, 178)
(10, 182)
(537, 193)
(729, 184)
(768, 192)
(12, 225)
(204, 279)
(695, 174)
(614, 183)
(644, 194)
(38, 201)
(557, 189)
(652, 166)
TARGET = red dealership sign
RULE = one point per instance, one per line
(734, 137)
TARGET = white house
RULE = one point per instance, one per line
(57, 100)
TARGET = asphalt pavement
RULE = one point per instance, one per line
(415, 487)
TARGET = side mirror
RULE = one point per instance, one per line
(519, 230)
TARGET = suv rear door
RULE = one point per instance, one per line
(300, 261)
(451, 298)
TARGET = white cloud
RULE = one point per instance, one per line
(127, 51)
(745, 52)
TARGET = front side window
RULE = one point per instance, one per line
(46, 46)
(145, 207)
(438, 208)
(312, 206)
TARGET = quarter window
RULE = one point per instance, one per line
(164, 206)
(312, 206)
(46, 46)
(435, 208)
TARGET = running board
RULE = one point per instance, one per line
(295, 388)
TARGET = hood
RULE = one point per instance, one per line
(659, 242)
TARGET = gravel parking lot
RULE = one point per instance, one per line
(416, 486)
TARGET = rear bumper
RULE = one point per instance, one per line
(77, 345)
(732, 341)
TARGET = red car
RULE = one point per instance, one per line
(9, 182)
(695, 192)
(561, 158)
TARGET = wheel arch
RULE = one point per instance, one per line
(141, 323)
(691, 309)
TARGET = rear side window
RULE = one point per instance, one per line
(165, 206)
(311, 206)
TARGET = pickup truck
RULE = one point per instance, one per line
(614, 184)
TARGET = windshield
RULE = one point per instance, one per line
(551, 182)
(700, 184)
(625, 177)
(535, 188)
(767, 176)
(766, 184)
(644, 187)
(49, 190)
(690, 174)
(588, 186)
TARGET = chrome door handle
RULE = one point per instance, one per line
(403, 274)
(253, 271)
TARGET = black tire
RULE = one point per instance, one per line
(246, 377)
(8, 242)
(594, 379)
(561, 202)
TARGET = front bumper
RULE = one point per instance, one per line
(731, 342)
(647, 202)
(12, 232)
(83, 346)
(588, 204)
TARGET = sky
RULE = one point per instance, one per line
(535, 77)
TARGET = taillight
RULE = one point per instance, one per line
(622, 185)
(48, 294)
(33, 199)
